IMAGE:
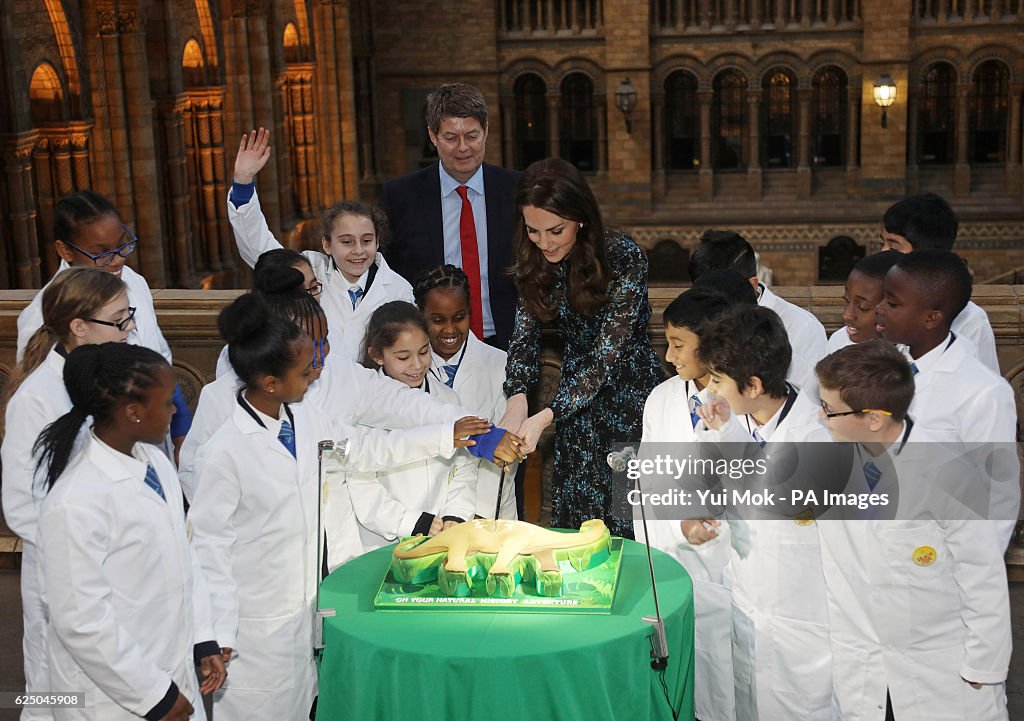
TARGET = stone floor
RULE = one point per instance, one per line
(11, 678)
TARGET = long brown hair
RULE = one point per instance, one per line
(75, 293)
(558, 187)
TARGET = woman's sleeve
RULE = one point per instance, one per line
(522, 368)
(627, 303)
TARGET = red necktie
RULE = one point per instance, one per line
(471, 263)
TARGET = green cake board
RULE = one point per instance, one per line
(590, 591)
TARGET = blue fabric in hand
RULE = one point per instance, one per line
(487, 443)
(181, 421)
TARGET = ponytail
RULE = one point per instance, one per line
(98, 379)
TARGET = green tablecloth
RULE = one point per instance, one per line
(450, 665)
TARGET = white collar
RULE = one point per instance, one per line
(930, 359)
(449, 184)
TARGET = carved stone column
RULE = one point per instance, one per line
(754, 177)
(706, 177)
(962, 171)
(1013, 169)
(658, 134)
(17, 156)
(176, 174)
(554, 129)
(913, 148)
(803, 167)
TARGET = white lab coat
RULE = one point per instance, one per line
(915, 628)
(667, 420)
(146, 332)
(781, 659)
(962, 403)
(478, 385)
(805, 331)
(127, 599)
(972, 323)
(347, 326)
(838, 340)
(388, 503)
(254, 523)
(40, 400)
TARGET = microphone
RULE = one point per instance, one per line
(619, 461)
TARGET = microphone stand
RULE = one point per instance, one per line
(497, 506)
(323, 447)
(659, 640)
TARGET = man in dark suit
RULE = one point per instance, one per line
(460, 210)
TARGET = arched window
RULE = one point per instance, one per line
(682, 122)
(292, 45)
(578, 122)
(531, 119)
(936, 118)
(668, 262)
(778, 117)
(988, 113)
(45, 96)
(192, 63)
(828, 116)
(730, 119)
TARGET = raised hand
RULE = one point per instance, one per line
(253, 154)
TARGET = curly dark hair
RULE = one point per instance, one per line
(745, 342)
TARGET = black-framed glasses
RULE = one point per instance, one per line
(839, 414)
(121, 325)
(315, 289)
(128, 241)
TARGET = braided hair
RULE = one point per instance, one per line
(98, 379)
(439, 276)
(77, 209)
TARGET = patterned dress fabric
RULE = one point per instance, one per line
(609, 368)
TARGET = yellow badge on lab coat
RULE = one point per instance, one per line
(804, 518)
(924, 555)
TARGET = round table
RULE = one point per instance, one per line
(450, 665)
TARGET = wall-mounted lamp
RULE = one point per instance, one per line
(625, 100)
(885, 94)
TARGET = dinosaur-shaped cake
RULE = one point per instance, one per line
(502, 552)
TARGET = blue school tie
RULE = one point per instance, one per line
(758, 437)
(872, 474)
(287, 436)
(153, 482)
(355, 294)
(914, 370)
(451, 371)
(694, 405)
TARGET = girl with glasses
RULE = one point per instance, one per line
(82, 306)
(89, 233)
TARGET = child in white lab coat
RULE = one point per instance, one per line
(958, 399)
(862, 294)
(81, 306)
(355, 277)
(781, 658)
(255, 510)
(702, 546)
(129, 610)
(470, 367)
(927, 222)
(726, 249)
(428, 495)
(918, 606)
(89, 233)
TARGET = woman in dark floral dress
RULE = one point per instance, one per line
(591, 286)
